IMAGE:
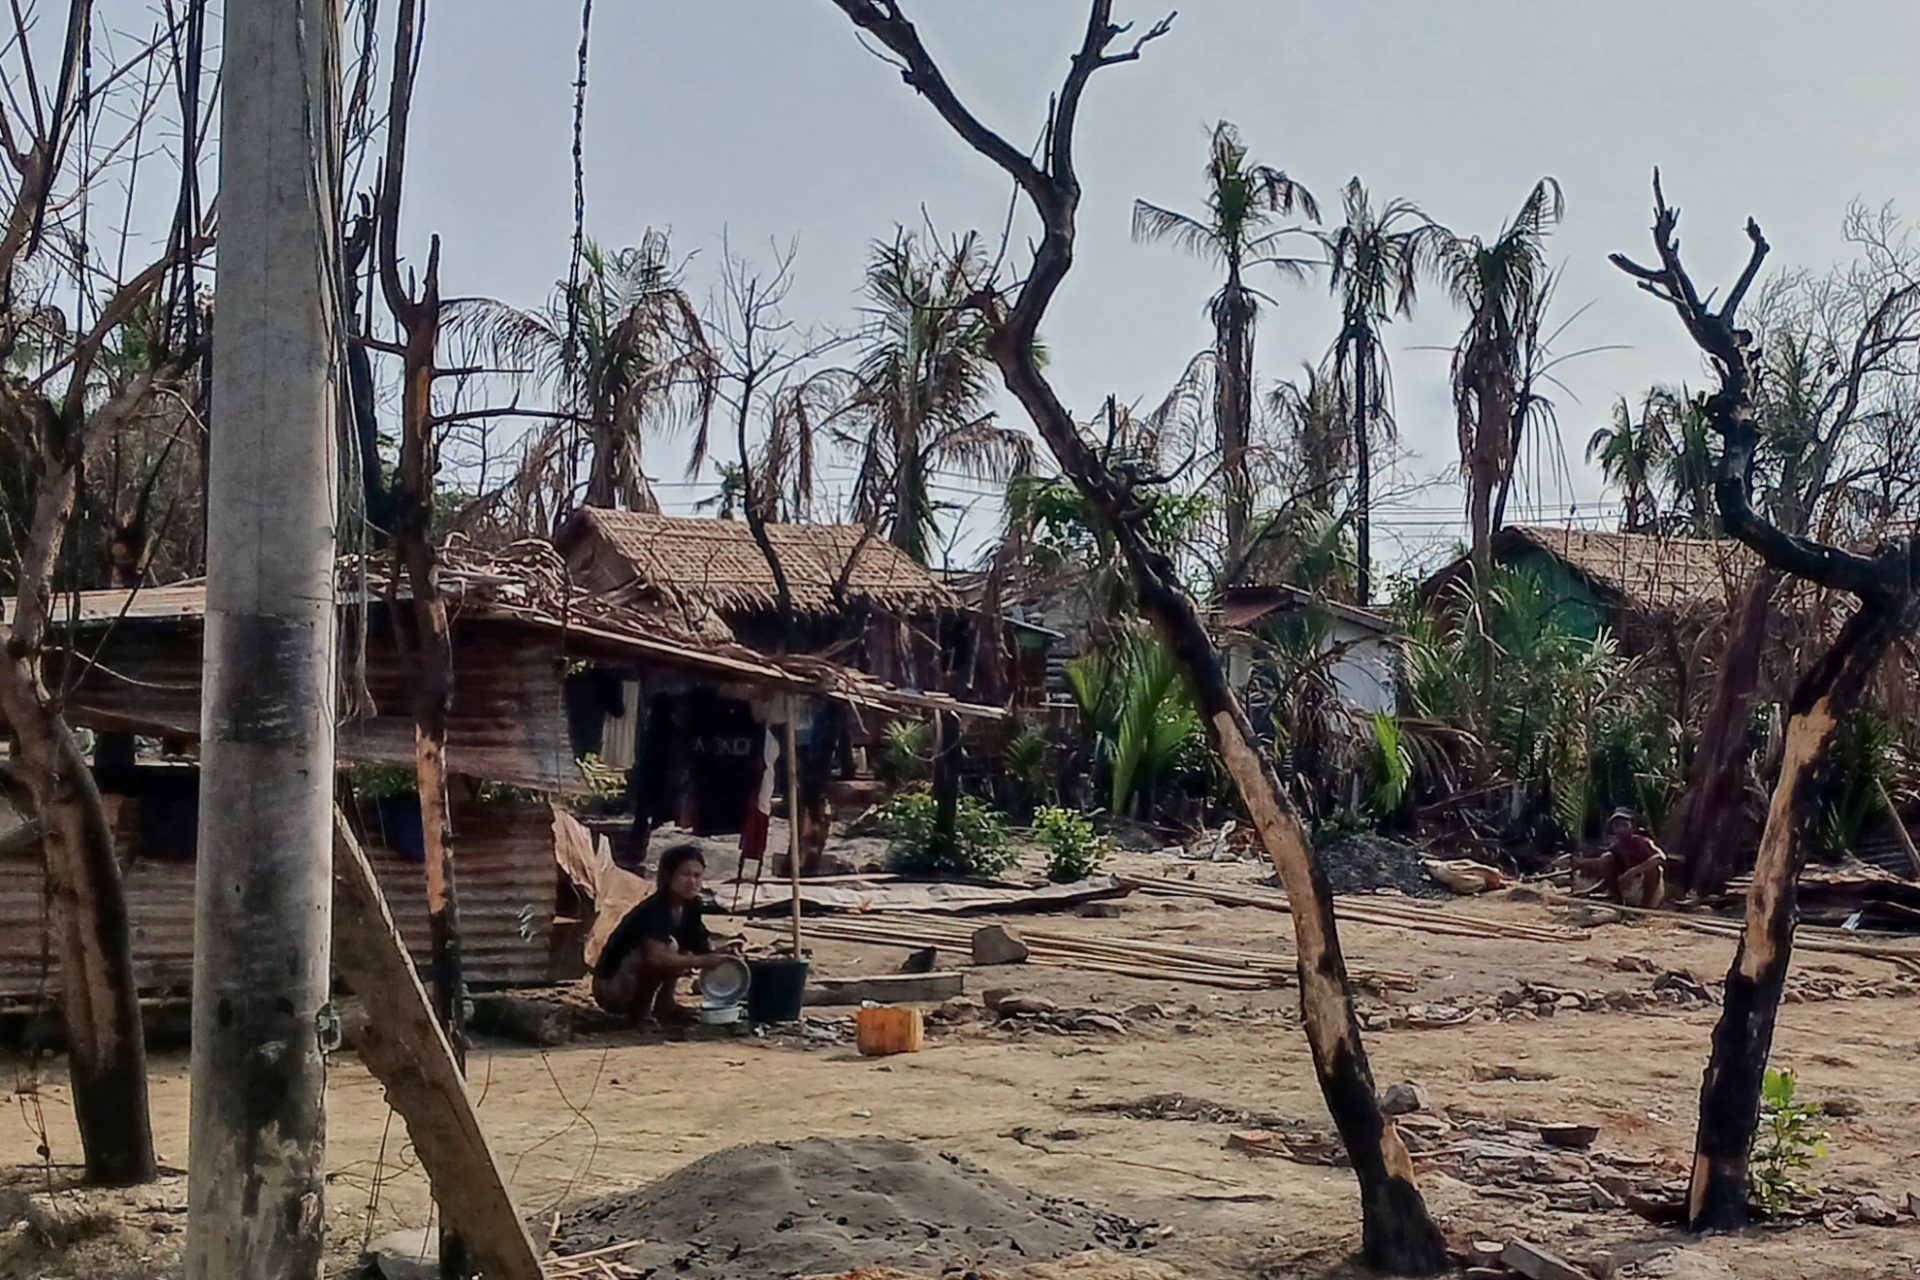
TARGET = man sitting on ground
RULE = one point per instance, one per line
(1633, 871)
(657, 943)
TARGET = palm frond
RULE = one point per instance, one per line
(1152, 224)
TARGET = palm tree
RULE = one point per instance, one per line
(624, 349)
(1691, 464)
(1501, 284)
(1237, 232)
(1312, 414)
(1631, 454)
(920, 393)
(1375, 260)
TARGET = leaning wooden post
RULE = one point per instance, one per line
(408, 1052)
(1899, 825)
(793, 816)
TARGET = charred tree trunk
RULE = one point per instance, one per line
(86, 897)
(1730, 1095)
(433, 641)
(1362, 469)
(1398, 1234)
(1709, 826)
(1234, 410)
(106, 1051)
(1887, 584)
(410, 508)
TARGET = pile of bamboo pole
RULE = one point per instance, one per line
(1383, 912)
(1125, 957)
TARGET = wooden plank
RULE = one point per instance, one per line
(887, 988)
(405, 1049)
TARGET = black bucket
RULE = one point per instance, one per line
(778, 986)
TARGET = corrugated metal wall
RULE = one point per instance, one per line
(507, 723)
(504, 859)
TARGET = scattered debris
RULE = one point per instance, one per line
(996, 944)
(1574, 1137)
(1872, 1211)
(923, 960)
(1465, 876)
(956, 1010)
(1535, 1263)
(1403, 1099)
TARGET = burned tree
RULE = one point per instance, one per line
(1886, 584)
(1399, 1235)
(62, 413)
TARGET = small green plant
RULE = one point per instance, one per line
(906, 755)
(1074, 852)
(1786, 1145)
(1026, 760)
(375, 781)
(979, 844)
(1395, 766)
(607, 781)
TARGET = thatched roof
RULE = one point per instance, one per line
(690, 561)
(1643, 572)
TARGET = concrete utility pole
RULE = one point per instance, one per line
(266, 794)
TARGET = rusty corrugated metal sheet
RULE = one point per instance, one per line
(504, 859)
(508, 721)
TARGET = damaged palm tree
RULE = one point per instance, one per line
(1399, 1235)
(1886, 582)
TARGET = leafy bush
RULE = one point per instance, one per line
(1395, 765)
(1074, 852)
(1137, 711)
(1786, 1145)
(374, 781)
(1569, 710)
(907, 754)
(1026, 758)
(978, 847)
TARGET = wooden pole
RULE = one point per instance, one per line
(1899, 825)
(793, 816)
(407, 1050)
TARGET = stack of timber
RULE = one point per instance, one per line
(1123, 957)
(1383, 912)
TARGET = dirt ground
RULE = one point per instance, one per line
(1499, 1035)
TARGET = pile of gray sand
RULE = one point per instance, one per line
(822, 1206)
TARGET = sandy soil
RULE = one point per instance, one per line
(1048, 1111)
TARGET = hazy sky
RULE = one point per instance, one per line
(766, 118)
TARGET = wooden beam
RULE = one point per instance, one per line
(406, 1050)
(886, 988)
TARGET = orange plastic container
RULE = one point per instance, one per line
(889, 1029)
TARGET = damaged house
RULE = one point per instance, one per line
(130, 666)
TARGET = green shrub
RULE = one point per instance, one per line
(979, 844)
(1074, 852)
(906, 756)
(1026, 760)
(374, 781)
(1786, 1145)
